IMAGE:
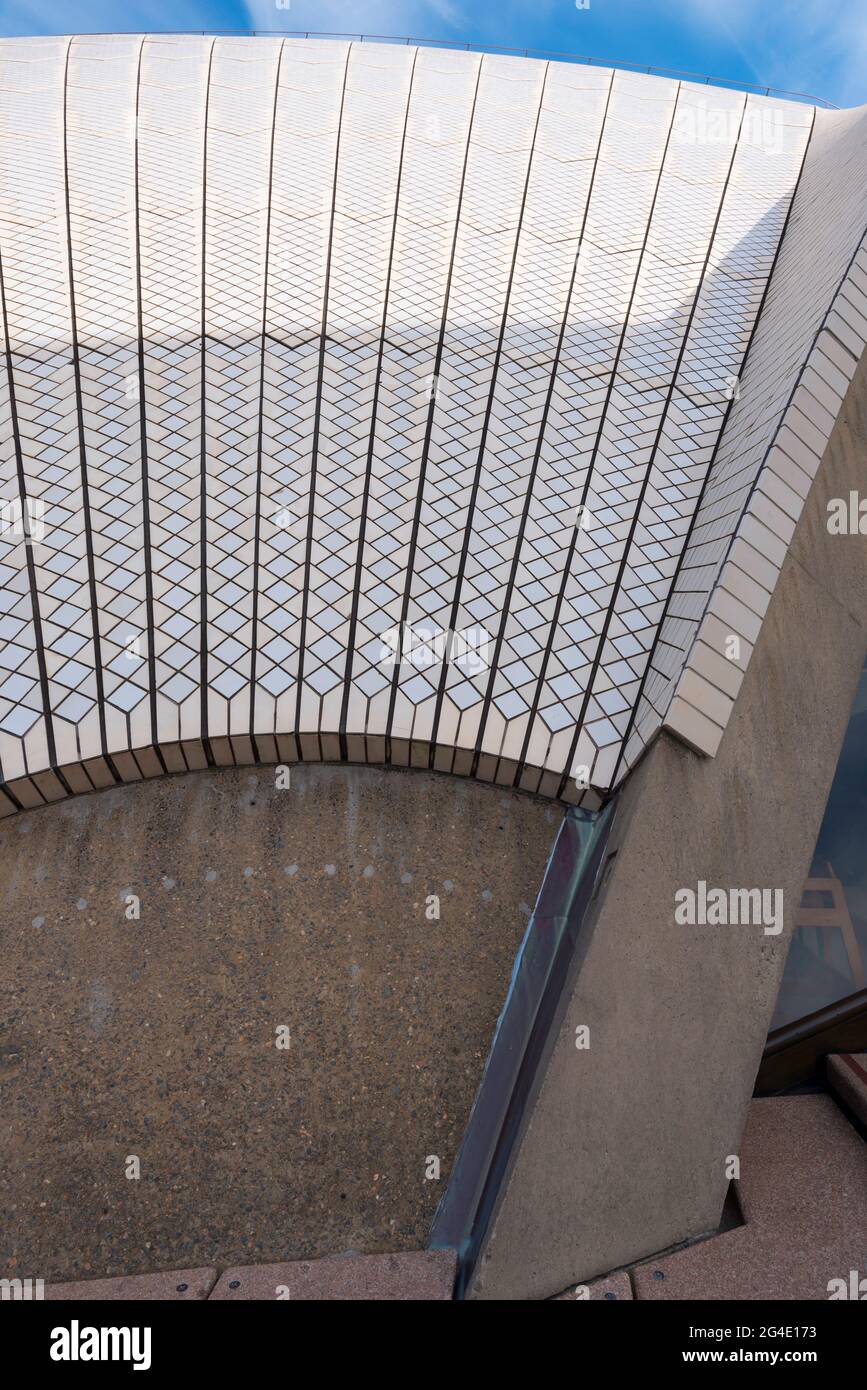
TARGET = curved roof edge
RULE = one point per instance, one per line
(308, 344)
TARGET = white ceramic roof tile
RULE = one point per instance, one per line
(373, 402)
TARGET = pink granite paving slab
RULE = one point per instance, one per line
(847, 1074)
(612, 1287)
(175, 1284)
(413, 1275)
(803, 1190)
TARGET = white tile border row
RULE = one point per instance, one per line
(705, 694)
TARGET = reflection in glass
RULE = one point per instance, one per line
(828, 956)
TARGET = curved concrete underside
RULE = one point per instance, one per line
(155, 1037)
(314, 351)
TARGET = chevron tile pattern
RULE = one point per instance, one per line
(375, 403)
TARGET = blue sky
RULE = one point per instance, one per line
(816, 46)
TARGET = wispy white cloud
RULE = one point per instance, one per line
(392, 17)
(790, 43)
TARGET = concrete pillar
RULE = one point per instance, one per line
(623, 1148)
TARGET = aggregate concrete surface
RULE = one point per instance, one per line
(154, 1039)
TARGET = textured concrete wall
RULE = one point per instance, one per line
(156, 1037)
(623, 1151)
